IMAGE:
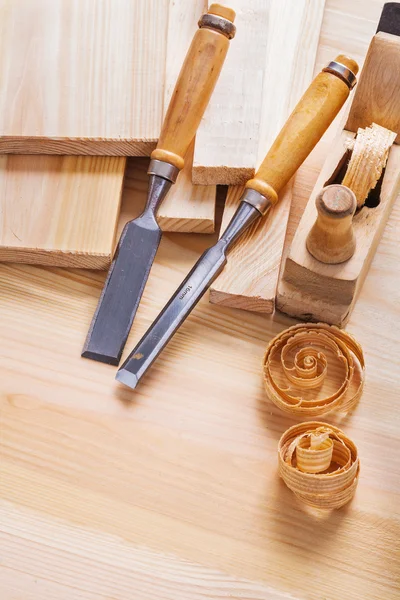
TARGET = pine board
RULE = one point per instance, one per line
(188, 207)
(250, 278)
(227, 140)
(81, 77)
(172, 492)
(59, 210)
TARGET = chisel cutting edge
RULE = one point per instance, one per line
(140, 238)
(305, 126)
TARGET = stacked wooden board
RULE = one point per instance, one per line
(77, 81)
(76, 78)
(292, 29)
(62, 210)
(73, 83)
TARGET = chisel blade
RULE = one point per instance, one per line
(123, 290)
(194, 286)
(126, 279)
(180, 305)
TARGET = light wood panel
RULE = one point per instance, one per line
(249, 280)
(59, 210)
(81, 77)
(56, 98)
(227, 140)
(172, 491)
(85, 462)
(187, 207)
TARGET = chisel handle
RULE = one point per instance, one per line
(196, 82)
(305, 126)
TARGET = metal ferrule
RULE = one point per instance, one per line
(260, 202)
(342, 72)
(163, 169)
(220, 24)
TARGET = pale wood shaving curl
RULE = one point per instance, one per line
(325, 478)
(298, 378)
(370, 151)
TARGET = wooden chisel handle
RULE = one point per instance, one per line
(305, 126)
(196, 82)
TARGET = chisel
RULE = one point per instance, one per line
(305, 126)
(140, 238)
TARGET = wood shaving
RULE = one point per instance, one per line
(370, 152)
(312, 369)
(327, 475)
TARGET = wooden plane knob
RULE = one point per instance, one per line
(331, 239)
(195, 84)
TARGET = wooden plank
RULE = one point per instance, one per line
(227, 140)
(249, 280)
(84, 462)
(59, 210)
(43, 539)
(188, 207)
(81, 77)
(62, 211)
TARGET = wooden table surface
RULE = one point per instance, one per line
(172, 492)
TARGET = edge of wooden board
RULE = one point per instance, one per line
(56, 258)
(76, 146)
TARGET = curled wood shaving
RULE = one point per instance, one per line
(370, 152)
(327, 476)
(311, 369)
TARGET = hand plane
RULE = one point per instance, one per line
(338, 234)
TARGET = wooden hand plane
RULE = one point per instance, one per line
(314, 285)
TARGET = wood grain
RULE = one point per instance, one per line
(59, 210)
(81, 77)
(227, 140)
(86, 462)
(250, 278)
(188, 207)
(376, 99)
(171, 492)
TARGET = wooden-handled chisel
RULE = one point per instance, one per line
(305, 126)
(140, 238)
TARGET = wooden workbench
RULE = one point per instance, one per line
(171, 492)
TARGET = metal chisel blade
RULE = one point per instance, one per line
(123, 290)
(194, 286)
(174, 313)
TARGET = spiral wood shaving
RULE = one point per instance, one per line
(369, 157)
(319, 463)
(298, 378)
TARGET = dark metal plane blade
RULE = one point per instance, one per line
(125, 282)
(185, 299)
